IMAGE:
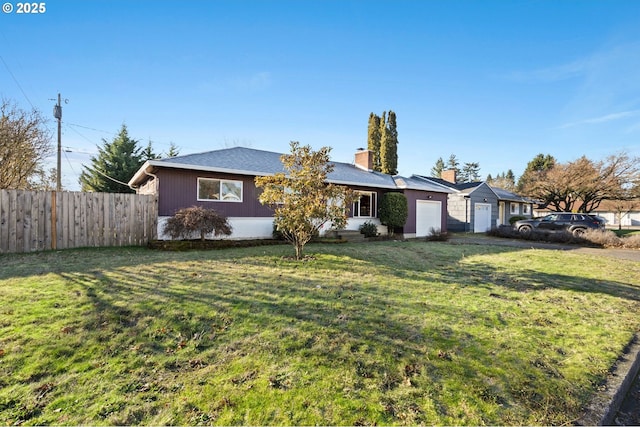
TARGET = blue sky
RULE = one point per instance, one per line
(494, 82)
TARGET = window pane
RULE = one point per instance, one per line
(231, 190)
(208, 189)
(365, 205)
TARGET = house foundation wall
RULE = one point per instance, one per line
(262, 228)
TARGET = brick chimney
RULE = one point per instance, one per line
(449, 175)
(364, 159)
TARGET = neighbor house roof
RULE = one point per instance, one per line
(509, 196)
(414, 183)
(470, 187)
(252, 162)
(465, 187)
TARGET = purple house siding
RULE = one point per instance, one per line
(414, 195)
(175, 181)
(179, 189)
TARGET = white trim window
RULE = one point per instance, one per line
(526, 209)
(365, 206)
(222, 190)
(514, 208)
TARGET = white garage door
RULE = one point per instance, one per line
(428, 216)
(482, 218)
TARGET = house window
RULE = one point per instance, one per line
(526, 209)
(515, 208)
(365, 206)
(219, 189)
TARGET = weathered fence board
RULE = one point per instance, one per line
(43, 220)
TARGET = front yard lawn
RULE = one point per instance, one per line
(360, 334)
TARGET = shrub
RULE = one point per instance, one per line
(602, 238)
(277, 234)
(436, 235)
(369, 229)
(631, 242)
(516, 218)
(393, 211)
(196, 219)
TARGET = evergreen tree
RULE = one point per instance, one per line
(390, 159)
(174, 151)
(373, 139)
(382, 140)
(470, 172)
(113, 167)
(503, 180)
(384, 144)
(454, 164)
(535, 168)
(436, 170)
(148, 154)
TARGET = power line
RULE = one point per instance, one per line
(90, 128)
(112, 179)
(16, 81)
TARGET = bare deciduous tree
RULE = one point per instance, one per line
(24, 145)
(581, 185)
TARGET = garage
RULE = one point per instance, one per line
(428, 216)
(482, 218)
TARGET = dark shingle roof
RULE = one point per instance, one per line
(462, 187)
(508, 195)
(248, 161)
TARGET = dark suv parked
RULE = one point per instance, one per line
(574, 223)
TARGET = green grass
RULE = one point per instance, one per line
(380, 333)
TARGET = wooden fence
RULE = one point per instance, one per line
(43, 220)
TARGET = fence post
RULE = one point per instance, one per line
(54, 230)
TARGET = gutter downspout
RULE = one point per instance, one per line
(467, 226)
(156, 181)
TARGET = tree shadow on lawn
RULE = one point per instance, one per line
(241, 299)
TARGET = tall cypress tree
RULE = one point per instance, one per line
(382, 139)
(384, 144)
(373, 139)
(391, 153)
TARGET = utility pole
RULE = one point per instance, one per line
(57, 113)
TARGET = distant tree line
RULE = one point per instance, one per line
(469, 172)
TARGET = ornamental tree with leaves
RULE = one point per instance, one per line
(117, 161)
(197, 220)
(302, 200)
(25, 143)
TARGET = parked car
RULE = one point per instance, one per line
(574, 223)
